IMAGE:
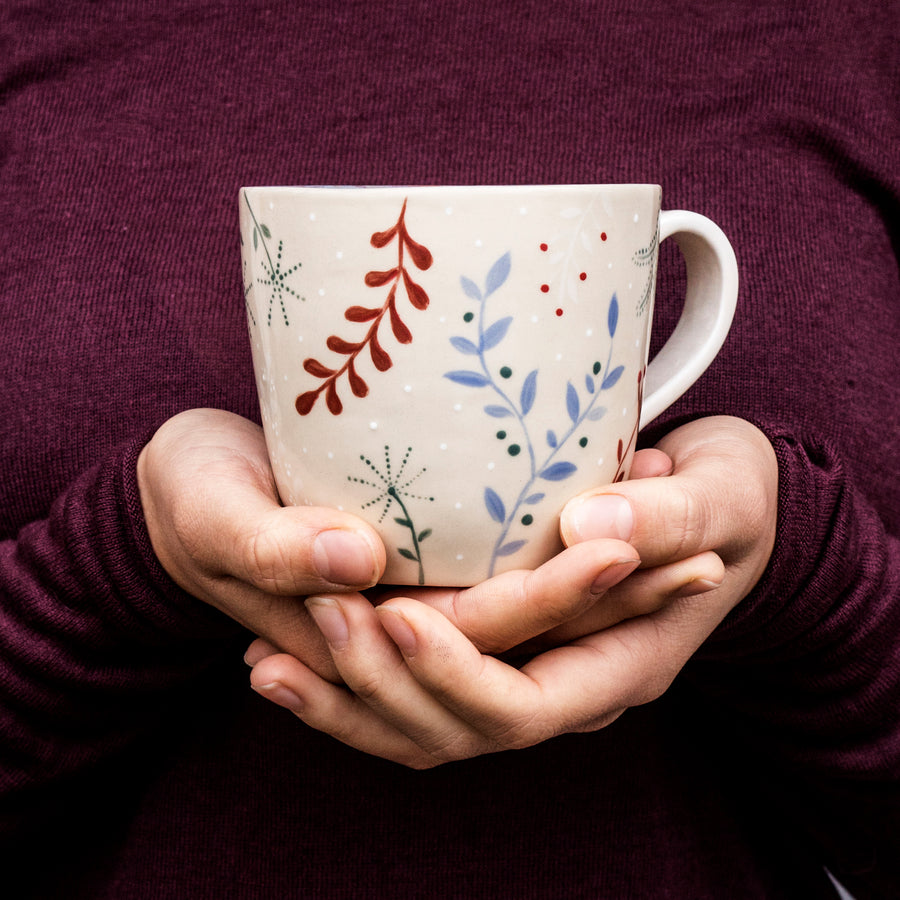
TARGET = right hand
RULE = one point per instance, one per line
(219, 530)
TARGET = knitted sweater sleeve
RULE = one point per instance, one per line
(807, 668)
(93, 633)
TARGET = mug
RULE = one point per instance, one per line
(453, 364)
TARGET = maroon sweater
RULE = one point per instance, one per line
(133, 756)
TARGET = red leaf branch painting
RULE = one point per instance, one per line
(399, 274)
(623, 448)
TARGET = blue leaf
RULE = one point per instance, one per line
(498, 274)
(498, 412)
(596, 414)
(612, 377)
(494, 505)
(469, 379)
(529, 392)
(558, 471)
(589, 384)
(472, 290)
(612, 319)
(573, 406)
(551, 438)
(511, 547)
(534, 498)
(495, 333)
(464, 345)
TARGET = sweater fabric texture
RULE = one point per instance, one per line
(135, 762)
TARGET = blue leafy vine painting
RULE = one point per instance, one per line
(550, 454)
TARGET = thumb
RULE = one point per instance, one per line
(720, 496)
(213, 515)
(291, 550)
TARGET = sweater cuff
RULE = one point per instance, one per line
(817, 557)
(142, 599)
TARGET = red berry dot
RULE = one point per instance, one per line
(583, 276)
(545, 288)
(559, 312)
(544, 247)
(602, 235)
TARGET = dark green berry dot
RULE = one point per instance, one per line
(583, 442)
(513, 449)
(501, 435)
(596, 368)
(468, 317)
(527, 519)
(506, 372)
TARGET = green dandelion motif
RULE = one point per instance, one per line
(276, 282)
(392, 487)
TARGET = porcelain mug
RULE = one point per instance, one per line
(453, 364)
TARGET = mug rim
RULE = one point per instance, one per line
(442, 187)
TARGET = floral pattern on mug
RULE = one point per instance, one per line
(422, 259)
(276, 277)
(546, 456)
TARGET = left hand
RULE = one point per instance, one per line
(421, 693)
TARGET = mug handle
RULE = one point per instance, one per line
(712, 287)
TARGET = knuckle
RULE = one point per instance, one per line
(757, 516)
(669, 643)
(185, 526)
(597, 722)
(368, 685)
(684, 524)
(458, 611)
(553, 606)
(632, 655)
(452, 747)
(265, 561)
(529, 727)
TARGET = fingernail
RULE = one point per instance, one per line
(603, 516)
(399, 629)
(329, 617)
(344, 557)
(280, 695)
(254, 655)
(258, 651)
(613, 574)
(697, 586)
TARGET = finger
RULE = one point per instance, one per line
(636, 661)
(508, 707)
(646, 591)
(580, 686)
(721, 496)
(515, 606)
(651, 463)
(285, 681)
(374, 670)
(213, 512)
(258, 651)
(292, 550)
(284, 625)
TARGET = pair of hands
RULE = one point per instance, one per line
(428, 675)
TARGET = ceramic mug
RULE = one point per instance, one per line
(453, 364)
